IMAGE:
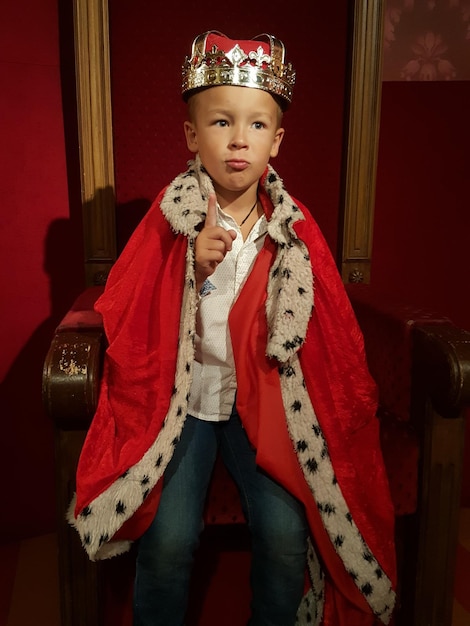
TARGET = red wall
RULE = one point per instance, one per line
(422, 219)
(422, 214)
(40, 255)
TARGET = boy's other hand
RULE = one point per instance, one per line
(212, 244)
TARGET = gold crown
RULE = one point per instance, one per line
(244, 64)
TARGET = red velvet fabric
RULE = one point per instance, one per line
(82, 313)
(129, 417)
(226, 44)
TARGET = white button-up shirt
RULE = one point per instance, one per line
(214, 379)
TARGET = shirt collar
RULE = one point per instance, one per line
(259, 229)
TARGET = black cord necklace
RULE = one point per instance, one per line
(249, 212)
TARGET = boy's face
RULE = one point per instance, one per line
(236, 130)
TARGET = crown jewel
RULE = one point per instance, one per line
(216, 60)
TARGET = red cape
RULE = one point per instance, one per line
(139, 377)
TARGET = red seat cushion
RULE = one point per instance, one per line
(82, 314)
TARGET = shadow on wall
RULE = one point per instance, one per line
(128, 216)
(26, 445)
(27, 442)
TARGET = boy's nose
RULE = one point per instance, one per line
(238, 139)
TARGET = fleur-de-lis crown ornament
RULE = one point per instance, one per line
(258, 63)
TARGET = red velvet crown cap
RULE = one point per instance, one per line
(257, 63)
(225, 44)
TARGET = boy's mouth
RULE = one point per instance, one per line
(237, 164)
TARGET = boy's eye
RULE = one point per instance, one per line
(258, 125)
(221, 123)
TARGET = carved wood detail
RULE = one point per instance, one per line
(362, 140)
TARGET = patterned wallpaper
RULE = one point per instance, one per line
(426, 40)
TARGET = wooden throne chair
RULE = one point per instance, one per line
(421, 363)
(420, 360)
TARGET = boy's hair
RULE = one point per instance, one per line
(217, 60)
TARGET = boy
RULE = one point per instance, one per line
(216, 343)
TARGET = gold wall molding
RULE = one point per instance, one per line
(362, 140)
(93, 84)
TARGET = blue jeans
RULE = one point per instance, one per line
(276, 520)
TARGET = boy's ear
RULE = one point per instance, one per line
(191, 136)
(277, 142)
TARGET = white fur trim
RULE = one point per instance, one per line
(99, 521)
(315, 461)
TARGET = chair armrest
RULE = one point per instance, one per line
(441, 362)
(408, 345)
(72, 367)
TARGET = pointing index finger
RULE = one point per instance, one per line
(211, 216)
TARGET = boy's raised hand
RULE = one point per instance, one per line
(212, 244)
